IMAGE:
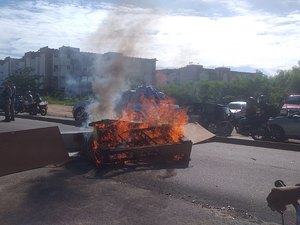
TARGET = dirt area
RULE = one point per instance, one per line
(59, 110)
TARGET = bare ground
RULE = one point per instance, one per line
(59, 110)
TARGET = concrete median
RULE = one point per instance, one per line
(30, 149)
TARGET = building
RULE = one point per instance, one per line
(8, 66)
(69, 70)
(192, 73)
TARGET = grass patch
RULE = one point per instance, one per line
(60, 101)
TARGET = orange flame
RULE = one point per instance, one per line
(159, 122)
(152, 113)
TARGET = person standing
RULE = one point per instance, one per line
(28, 101)
(250, 116)
(6, 94)
(13, 100)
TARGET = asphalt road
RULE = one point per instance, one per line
(228, 180)
(223, 175)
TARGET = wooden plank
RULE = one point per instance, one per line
(196, 133)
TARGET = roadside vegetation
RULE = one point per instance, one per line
(276, 88)
(60, 101)
(240, 89)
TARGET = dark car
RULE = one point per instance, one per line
(216, 118)
(285, 127)
(140, 101)
(129, 99)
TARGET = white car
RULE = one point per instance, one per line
(238, 109)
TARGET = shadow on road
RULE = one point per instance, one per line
(82, 166)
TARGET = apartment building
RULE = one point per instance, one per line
(192, 73)
(8, 66)
(72, 71)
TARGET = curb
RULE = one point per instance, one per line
(54, 119)
(262, 144)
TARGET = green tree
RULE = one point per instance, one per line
(274, 87)
(293, 81)
(178, 92)
(24, 80)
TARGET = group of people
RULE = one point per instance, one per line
(13, 104)
(9, 97)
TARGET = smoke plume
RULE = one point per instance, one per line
(123, 31)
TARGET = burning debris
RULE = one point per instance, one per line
(150, 128)
(123, 142)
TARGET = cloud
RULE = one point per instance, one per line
(250, 40)
(236, 33)
(29, 25)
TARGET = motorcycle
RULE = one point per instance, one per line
(225, 128)
(40, 107)
(235, 122)
(259, 130)
(33, 108)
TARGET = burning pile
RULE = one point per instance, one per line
(148, 130)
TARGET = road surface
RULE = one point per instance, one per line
(231, 181)
(225, 175)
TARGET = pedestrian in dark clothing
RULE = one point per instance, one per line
(6, 94)
(28, 101)
(13, 100)
(37, 99)
(265, 109)
(250, 116)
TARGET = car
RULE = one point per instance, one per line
(142, 100)
(291, 105)
(79, 110)
(129, 99)
(285, 127)
(216, 118)
(238, 108)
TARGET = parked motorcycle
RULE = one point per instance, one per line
(40, 108)
(258, 130)
(34, 108)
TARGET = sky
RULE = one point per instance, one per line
(241, 34)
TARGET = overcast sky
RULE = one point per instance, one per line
(241, 34)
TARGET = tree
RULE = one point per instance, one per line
(238, 89)
(24, 80)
